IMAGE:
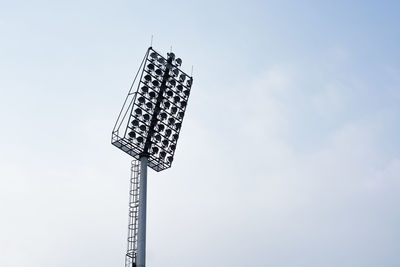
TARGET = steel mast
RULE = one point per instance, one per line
(148, 129)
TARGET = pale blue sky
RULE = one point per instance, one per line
(289, 154)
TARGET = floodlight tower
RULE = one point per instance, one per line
(148, 129)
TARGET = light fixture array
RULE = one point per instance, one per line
(156, 111)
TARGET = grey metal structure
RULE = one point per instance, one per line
(147, 129)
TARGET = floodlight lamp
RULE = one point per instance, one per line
(183, 104)
(143, 127)
(135, 123)
(152, 94)
(132, 134)
(159, 72)
(173, 72)
(165, 142)
(163, 116)
(172, 82)
(174, 109)
(156, 83)
(161, 127)
(170, 159)
(150, 66)
(146, 117)
(166, 104)
(169, 93)
(140, 139)
(138, 111)
(171, 55)
(176, 100)
(149, 106)
(147, 78)
(154, 55)
(178, 61)
(144, 89)
(171, 121)
(161, 61)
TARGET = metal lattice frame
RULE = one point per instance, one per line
(151, 118)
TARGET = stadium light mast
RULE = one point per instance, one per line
(148, 129)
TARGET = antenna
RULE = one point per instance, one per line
(151, 42)
(148, 129)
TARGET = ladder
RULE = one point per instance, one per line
(134, 190)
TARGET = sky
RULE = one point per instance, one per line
(289, 154)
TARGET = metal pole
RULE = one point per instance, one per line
(141, 247)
